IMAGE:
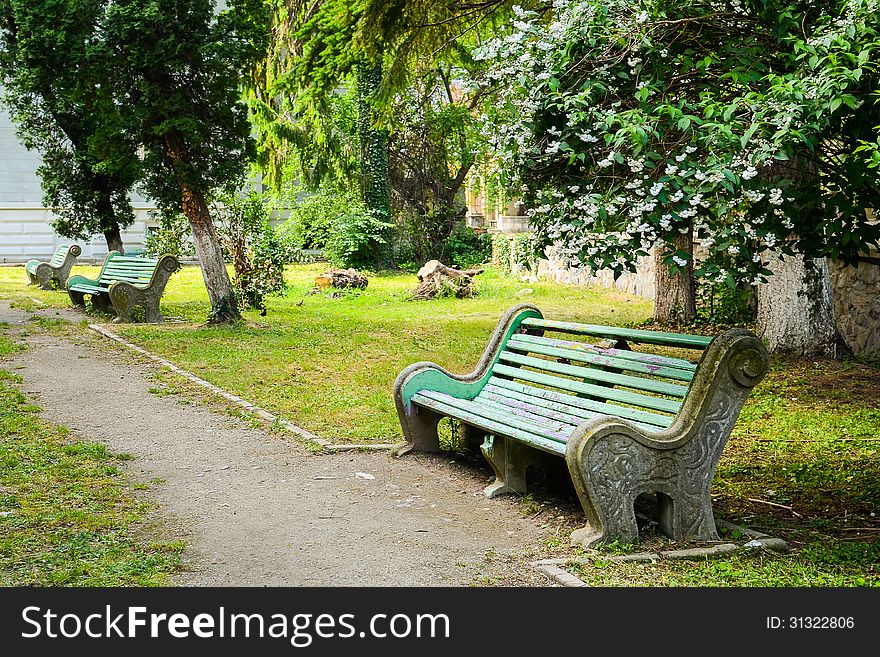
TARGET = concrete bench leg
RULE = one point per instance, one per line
(509, 460)
(419, 429)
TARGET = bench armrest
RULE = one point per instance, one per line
(612, 459)
(430, 376)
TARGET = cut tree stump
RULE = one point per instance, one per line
(341, 278)
(438, 279)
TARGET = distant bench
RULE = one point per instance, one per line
(126, 282)
(627, 422)
(56, 270)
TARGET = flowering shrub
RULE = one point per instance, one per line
(750, 124)
(257, 252)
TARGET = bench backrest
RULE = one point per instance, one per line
(644, 387)
(132, 269)
(59, 256)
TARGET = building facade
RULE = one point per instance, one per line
(26, 224)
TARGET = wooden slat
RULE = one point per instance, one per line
(635, 399)
(85, 287)
(591, 373)
(575, 405)
(530, 412)
(635, 335)
(555, 430)
(443, 407)
(587, 353)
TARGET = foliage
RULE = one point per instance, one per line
(740, 120)
(722, 304)
(53, 84)
(350, 90)
(173, 236)
(523, 251)
(257, 252)
(177, 85)
(467, 248)
(176, 82)
(501, 249)
(310, 220)
(514, 253)
(431, 150)
(359, 238)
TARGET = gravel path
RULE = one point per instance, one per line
(257, 510)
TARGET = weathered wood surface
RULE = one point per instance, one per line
(626, 421)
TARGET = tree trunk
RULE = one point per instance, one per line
(675, 294)
(223, 305)
(795, 309)
(114, 239)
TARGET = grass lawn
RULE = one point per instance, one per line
(67, 516)
(803, 462)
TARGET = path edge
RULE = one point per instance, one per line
(235, 399)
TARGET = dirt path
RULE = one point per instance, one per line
(257, 510)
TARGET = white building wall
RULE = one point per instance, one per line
(26, 225)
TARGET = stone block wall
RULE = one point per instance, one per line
(639, 283)
(857, 306)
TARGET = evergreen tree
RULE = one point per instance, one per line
(176, 78)
(53, 82)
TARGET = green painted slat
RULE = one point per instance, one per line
(528, 414)
(588, 353)
(82, 287)
(646, 337)
(134, 267)
(573, 404)
(528, 408)
(490, 426)
(648, 385)
(564, 405)
(635, 399)
(556, 431)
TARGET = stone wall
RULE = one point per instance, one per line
(857, 306)
(640, 283)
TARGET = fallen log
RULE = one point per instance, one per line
(341, 278)
(439, 280)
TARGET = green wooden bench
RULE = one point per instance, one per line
(627, 422)
(56, 270)
(126, 282)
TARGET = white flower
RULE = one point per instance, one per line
(656, 188)
(749, 173)
(775, 197)
(642, 17)
(681, 262)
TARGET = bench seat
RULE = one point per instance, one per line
(126, 282)
(54, 272)
(627, 421)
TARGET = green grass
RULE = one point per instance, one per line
(67, 515)
(329, 364)
(832, 564)
(802, 463)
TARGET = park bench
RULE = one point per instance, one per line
(126, 282)
(56, 270)
(628, 422)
